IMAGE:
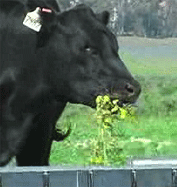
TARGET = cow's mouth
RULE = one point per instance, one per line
(126, 94)
(122, 101)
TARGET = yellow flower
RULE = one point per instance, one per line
(99, 99)
(123, 113)
(97, 160)
(115, 109)
(106, 98)
(108, 120)
(115, 101)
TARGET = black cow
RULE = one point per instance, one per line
(73, 58)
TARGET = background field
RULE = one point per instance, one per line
(154, 63)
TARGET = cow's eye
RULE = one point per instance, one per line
(87, 49)
(90, 50)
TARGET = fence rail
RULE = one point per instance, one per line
(139, 174)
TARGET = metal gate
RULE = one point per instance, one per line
(145, 173)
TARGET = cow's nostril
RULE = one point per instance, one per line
(129, 88)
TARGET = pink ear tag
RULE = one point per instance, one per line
(46, 10)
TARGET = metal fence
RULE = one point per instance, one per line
(140, 174)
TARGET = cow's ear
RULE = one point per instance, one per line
(103, 17)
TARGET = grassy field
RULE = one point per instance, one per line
(154, 133)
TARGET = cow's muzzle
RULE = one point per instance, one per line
(125, 91)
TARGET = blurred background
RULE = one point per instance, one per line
(147, 18)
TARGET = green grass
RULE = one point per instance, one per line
(154, 133)
(150, 66)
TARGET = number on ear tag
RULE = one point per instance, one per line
(33, 20)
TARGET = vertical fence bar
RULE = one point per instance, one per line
(91, 182)
(83, 178)
(174, 178)
(46, 179)
(78, 181)
(0, 180)
(134, 182)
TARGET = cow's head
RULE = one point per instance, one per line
(84, 60)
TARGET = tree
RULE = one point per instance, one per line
(149, 18)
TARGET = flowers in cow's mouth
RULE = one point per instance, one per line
(108, 109)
